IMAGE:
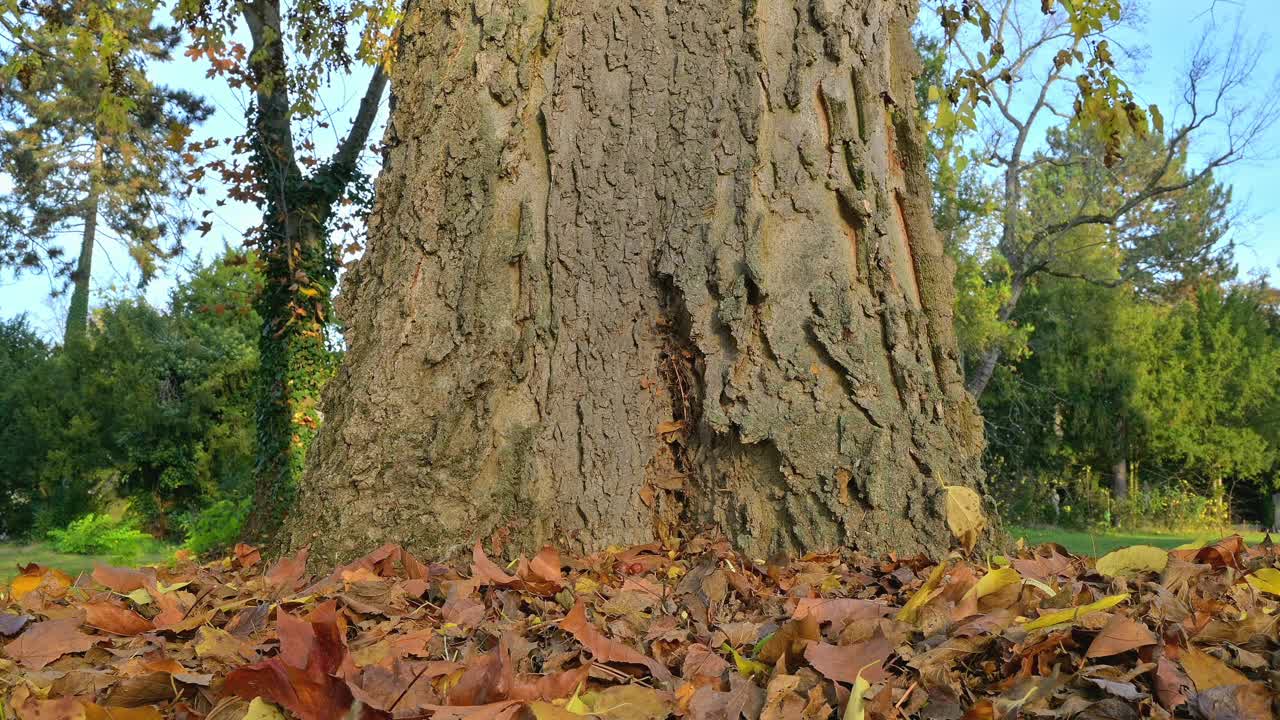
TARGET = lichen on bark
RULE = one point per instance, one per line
(642, 268)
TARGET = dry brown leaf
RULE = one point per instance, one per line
(1120, 634)
(844, 663)
(44, 642)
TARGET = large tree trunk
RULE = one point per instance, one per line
(640, 268)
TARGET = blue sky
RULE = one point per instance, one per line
(1171, 31)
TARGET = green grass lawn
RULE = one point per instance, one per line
(12, 555)
(1086, 543)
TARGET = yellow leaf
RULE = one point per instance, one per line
(575, 704)
(1208, 672)
(23, 585)
(964, 514)
(547, 711)
(1265, 580)
(910, 611)
(1073, 614)
(995, 581)
(260, 709)
(29, 582)
(857, 707)
(629, 702)
(164, 589)
(585, 586)
(140, 596)
(746, 666)
(1133, 560)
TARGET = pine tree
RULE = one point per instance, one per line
(89, 144)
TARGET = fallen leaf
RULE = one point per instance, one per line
(629, 702)
(789, 641)
(93, 711)
(11, 624)
(246, 556)
(218, 644)
(846, 663)
(35, 577)
(964, 514)
(115, 619)
(1132, 561)
(910, 612)
(1265, 580)
(44, 642)
(1250, 701)
(287, 573)
(1120, 635)
(1075, 613)
(1207, 671)
(260, 709)
(856, 709)
(602, 648)
(746, 666)
(121, 580)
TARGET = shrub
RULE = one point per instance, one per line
(1172, 508)
(101, 534)
(216, 527)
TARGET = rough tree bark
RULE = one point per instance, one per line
(640, 268)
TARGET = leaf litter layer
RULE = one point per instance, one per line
(652, 632)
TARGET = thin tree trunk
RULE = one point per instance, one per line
(300, 271)
(981, 376)
(294, 361)
(642, 268)
(1120, 466)
(78, 313)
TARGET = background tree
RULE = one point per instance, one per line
(1214, 386)
(1124, 167)
(88, 143)
(295, 50)
(22, 354)
(154, 408)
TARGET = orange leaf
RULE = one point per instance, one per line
(604, 649)
(285, 575)
(115, 619)
(93, 711)
(121, 580)
(247, 556)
